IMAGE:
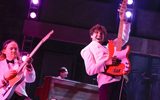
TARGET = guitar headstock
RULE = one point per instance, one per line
(122, 9)
(48, 35)
(124, 3)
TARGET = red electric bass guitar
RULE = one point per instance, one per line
(116, 49)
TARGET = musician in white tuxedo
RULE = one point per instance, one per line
(9, 64)
(96, 56)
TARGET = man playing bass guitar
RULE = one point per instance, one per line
(98, 58)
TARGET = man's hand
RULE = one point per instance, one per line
(115, 61)
(29, 67)
(4, 83)
(29, 61)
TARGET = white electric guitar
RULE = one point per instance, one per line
(6, 92)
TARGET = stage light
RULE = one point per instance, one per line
(34, 9)
(33, 15)
(35, 2)
(130, 2)
(24, 55)
(128, 14)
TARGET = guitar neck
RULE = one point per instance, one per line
(30, 56)
(119, 39)
(122, 10)
(35, 49)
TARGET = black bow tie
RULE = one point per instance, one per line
(10, 61)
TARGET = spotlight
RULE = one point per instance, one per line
(35, 2)
(33, 15)
(130, 2)
(24, 55)
(129, 15)
(33, 9)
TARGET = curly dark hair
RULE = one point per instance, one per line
(98, 27)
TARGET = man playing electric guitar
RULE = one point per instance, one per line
(97, 56)
(8, 70)
(14, 73)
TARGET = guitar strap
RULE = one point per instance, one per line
(121, 88)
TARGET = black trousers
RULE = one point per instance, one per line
(111, 91)
(17, 97)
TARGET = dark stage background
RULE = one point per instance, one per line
(71, 20)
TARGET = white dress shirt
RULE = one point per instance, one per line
(29, 76)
